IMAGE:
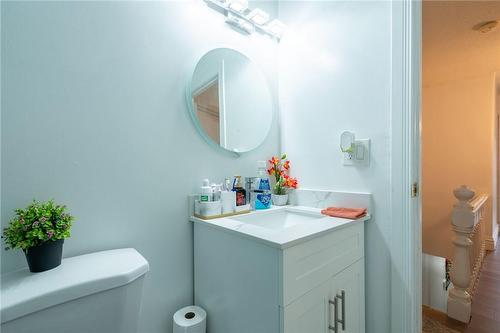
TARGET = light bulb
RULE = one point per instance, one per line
(258, 16)
(276, 27)
(238, 5)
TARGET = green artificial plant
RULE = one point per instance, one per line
(36, 224)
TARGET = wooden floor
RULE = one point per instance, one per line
(486, 303)
(443, 319)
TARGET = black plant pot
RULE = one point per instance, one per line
(45, 256)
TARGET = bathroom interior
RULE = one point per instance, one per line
(107, 108)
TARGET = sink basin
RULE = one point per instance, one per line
(278, 220)
(280, 227)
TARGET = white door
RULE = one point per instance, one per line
(348, 287)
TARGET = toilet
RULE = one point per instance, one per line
(93, 293)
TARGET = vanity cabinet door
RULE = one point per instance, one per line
(314, 312)
(312, 263)
(309, 313)
(348, 285)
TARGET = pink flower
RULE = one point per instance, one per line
(50, 234)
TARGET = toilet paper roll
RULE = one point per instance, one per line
(191, 319)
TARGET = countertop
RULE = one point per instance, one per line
(282, 238)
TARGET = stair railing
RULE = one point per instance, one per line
(469, 251)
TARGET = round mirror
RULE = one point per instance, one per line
(229, 100)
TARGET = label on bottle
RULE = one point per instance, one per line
(263, 201)
(240, 197)
(264, 184)
(204, 198)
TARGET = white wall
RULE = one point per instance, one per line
(458, 121)
(94, 115)
(335, 75)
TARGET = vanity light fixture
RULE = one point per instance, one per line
(246, 20)
(258, 16)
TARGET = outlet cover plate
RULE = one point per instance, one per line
(361, 155)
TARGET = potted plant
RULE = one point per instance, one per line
(280, 168)
(39, 230)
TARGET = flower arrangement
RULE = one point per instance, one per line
(280, 168)
(37, 224)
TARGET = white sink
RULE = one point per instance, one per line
(279, 227)
(278, 220)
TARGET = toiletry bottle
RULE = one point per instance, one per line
(241, 197)
(226, 186)
(228, 197)
(206, 193)
(263, 192)
(251, 184)
(216, 190)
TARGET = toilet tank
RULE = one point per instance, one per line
(92, 293)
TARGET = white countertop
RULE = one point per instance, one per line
(281, 238)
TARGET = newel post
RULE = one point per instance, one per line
(459, 300)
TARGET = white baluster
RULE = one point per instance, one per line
(459, 300)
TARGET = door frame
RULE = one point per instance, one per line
(406, 226)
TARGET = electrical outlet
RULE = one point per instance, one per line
(361, 154)
(348, 158)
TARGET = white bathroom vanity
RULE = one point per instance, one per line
(287, 269)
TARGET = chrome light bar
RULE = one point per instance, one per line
(246, 20)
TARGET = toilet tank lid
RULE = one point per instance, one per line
(24, 292)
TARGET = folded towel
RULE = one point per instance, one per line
(346, 213)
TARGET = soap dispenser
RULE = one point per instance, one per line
(263, 190)
(206, 193)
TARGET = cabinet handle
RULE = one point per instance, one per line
(342, 298)
(336, 320)
(335, 327)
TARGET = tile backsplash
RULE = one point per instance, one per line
(326, 198)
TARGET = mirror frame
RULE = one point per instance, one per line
(194, 118)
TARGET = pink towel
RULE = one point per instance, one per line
(346, 213)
